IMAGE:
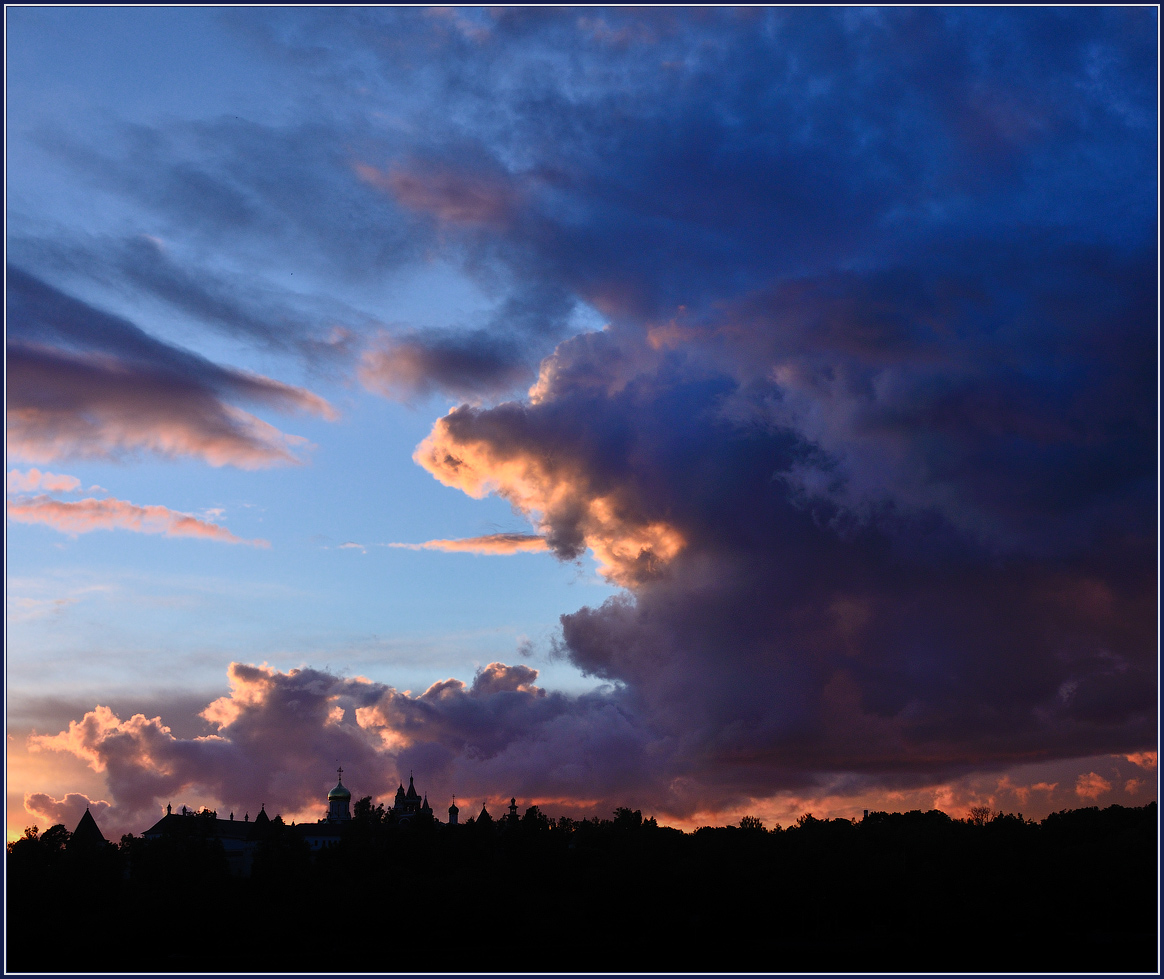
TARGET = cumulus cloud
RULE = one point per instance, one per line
(573, 508)
(84, 516)
(34, 479)
(488, 544)
(275, 736)
(67, 811)
(1144, 759)
(83, 383)
(854, 544)
(1091, 786)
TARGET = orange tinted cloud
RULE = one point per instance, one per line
(218, 433)
(553, 493)
(19, 482)
(1091, 786)
(83, 516)
(489, 544)
(1145, 759)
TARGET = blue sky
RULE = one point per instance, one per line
(793, 367)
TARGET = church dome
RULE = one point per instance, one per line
(339, 792)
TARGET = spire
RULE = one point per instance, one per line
(87, 832)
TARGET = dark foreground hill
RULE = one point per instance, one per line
(914, 891)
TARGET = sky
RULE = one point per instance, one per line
(708, 411)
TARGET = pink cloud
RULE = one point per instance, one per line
(1091, 786)
(19, 482)
(489, 544)
(450, 196)
(277, 736)
(1145, 759)
(84, 516)
(67, 811)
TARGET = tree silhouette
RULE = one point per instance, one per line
(981, 815)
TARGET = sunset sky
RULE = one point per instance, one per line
(708, 411)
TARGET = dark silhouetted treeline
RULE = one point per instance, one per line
(916, 891)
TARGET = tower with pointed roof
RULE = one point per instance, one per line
(87, 833)
(409, 805)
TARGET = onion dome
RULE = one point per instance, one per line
(339, 792)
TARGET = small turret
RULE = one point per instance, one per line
(453, 810)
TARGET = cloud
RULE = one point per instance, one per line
(84, 516)
(854, 536)
(488, 544)
(868, 438)
(19, 482)
(84, 384)
(240, 306)
(1144, 759)
(496, 451)
(457, 197)
(1091, 786)
(276, 736)
(474, 365)
(67, 811)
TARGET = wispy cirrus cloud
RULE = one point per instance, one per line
(85, 516)
(487, 544)
(83, 383)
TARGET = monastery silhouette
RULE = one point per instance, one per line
(240, 837)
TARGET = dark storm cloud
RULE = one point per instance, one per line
(898, 523)
(82, 382)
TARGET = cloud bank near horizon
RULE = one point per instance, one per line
(499, 735)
